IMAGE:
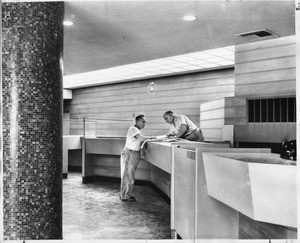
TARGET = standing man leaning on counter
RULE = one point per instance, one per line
(130, 158)
(183, 127)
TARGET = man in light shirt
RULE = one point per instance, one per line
(183, 127)
(130, 158)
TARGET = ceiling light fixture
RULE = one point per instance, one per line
(67, 23)
(189, 18)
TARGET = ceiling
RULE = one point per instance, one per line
(218, 58)
(107, 34)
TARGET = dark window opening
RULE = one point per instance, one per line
(251, 110)
(272, 110)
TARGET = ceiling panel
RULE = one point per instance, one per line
(112, 33)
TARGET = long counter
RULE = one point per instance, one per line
(181, 171)
(101, 157)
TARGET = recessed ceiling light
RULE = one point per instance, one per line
(189, 18)
(67, 23)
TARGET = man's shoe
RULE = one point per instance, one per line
(130, 199)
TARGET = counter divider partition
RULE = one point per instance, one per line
(197, 215)
(184, 187)
(259, 185)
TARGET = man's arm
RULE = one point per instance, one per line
(182, 130)
(143, 138)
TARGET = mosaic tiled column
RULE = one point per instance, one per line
(32, 120)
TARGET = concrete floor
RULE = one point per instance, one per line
(94, 211)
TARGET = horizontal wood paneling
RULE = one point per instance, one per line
(213, 135)
(255, 54)
(266, 65)
(66, 123)
(167, 103)
(214, 115)
(163, 91)
(270, 76)
(182, 94)
(272, 43)
(192, 95)
(278, 89)
(189, 79)
(266, 68)
(152, 113)
(218, 122)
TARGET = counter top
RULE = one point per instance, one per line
(157, 153)
(160, 153)
(261, 186)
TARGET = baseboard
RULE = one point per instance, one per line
(162, 195)
(75, 168)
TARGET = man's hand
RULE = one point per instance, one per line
(172, 136)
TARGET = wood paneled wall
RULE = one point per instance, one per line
(262, 69)
(66, 123)
(266, 68)
(213, 117)
(182, 94)
(218, 117)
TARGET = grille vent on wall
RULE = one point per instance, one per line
(258, 34)
(272, 110)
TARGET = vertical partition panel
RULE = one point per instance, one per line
(184, 193)
(185, 187)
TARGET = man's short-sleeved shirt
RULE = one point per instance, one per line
(132, 142)
(178, 121)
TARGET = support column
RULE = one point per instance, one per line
(32, 120)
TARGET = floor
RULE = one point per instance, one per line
(94, 211)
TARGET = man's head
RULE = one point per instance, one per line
(169, 116)
(140, 121)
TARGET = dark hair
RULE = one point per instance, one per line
(139, 117)
(168, 113)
